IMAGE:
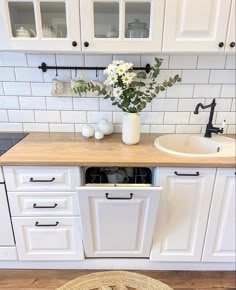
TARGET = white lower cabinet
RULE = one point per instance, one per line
(118, 221)
(48, 238)
(183, 213)
(220, 244)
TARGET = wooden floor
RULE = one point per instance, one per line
(51, 279)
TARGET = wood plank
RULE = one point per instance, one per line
(73, 149)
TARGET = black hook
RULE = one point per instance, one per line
(76, 72)
(56, 72)
(96, 72)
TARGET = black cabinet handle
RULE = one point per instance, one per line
(46, 225)
(187, 174)
(221, 44)
(74, 43)
(52, 206)
(86, 44)
(42, 180)
(232, 44)
(119, 198)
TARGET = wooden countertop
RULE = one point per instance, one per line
(73, 149)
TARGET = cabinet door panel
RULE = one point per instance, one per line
(220, 238)
(182, 215)
(231, 30)
(118, 227)
(195, 25)
(48, 238)
(111, 26)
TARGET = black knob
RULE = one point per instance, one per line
(86, 44)
(74, 43)
(232, 44)
(221, 44)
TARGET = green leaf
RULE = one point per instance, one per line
(141, 75)
(162, 88)
(157, 90)
(106, 97)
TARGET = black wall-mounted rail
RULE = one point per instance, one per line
(44, 67)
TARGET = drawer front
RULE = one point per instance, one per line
(44, 178)
(48, 238)
(43, 203)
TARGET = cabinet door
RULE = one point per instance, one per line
(122, 25)
(48, 238)
(40, 24)
(118, 222)
(195, 25)
(220, 237)
(183, 212)
(230, 43)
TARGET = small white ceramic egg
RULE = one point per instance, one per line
(99, 135)
(105, 126)
(87, 131)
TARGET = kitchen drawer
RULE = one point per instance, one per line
(41, 178)
(48, 238)
(43, 203)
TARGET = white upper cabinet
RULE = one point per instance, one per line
(230, 42)
(196, 25)
(40, 25)
(220, 237)
(183, 213)
(122, 25)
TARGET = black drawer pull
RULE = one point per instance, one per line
(39, 180)
(187, 174)
(119, 198)
(46, 225)
(50, 206)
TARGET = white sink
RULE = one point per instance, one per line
(196, 145)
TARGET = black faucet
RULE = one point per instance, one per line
(209, 129)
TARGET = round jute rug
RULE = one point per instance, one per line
(114, 280)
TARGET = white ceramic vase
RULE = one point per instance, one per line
(131, 128)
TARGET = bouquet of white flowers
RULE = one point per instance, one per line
(129, 91)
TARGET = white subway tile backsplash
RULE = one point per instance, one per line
(180, 91)
(41, 89)
(36, 127)
(176, 118)
(188, 129)
(231, 129)
(61, 127)
(162, 129)
(27, 74)
(228, 91)
(207, 91)
(183, 62)
(47, 116)
(3, 116)
(9, 102)
(17, 88)
(26, 102)
(73, 116)
(12, 59)
(7, 74)
(32, 102)
(35, 59)
(21, 116)
(222, 77)
(163, 105)
(230, 62)
(98, 59)
(211, 61)
(59, 103)
(95, 117)
(89, 104)
(195, 76)
(186, 105)
(11, 127)
(150, 59)
(230, 117)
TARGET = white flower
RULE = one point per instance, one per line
(111, 80)
(117, 62)
(111, 69)
(117, 92)
(127, 66)
(128, 78)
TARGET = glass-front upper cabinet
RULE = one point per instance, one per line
(40, 24)
(122, 25)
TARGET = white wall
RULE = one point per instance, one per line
(26, 103)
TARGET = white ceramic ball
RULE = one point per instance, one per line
(88, 131)
(99, 135)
